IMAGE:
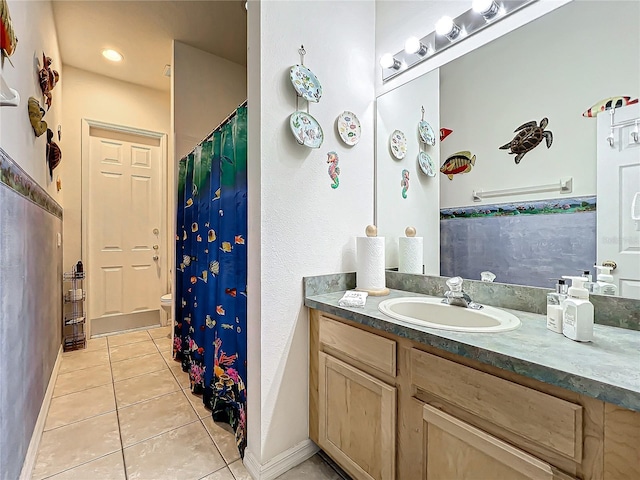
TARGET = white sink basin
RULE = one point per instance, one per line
(432, 313)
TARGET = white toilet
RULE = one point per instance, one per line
(166, 301)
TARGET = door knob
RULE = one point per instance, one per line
(156, 257)
(155, 247)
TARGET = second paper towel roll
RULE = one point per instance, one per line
(410, 254)
(370, 275)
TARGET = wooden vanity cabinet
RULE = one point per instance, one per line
(384, 407)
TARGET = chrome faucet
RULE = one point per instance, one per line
(455, 296)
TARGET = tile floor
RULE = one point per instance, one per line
(122, 410)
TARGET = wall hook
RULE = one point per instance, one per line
(633, 136)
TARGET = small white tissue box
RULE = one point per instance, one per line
(353, 298)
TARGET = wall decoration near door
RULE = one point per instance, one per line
(211, 273)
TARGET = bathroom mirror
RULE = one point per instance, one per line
(535, 219)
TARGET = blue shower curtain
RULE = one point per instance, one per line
(211, 273)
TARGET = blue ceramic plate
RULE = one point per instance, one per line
(306, 83)
(306, 129)
(426, 164)
(426, 133)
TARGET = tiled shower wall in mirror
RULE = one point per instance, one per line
(30, 306)
(525, 243)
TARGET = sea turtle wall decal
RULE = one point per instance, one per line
(528, 137)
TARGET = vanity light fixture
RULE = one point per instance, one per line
(414, 46)
(448, 32)
(446, 27)
(487, 8)
(112, 55)
(388, 61)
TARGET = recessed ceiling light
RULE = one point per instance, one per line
(112, 55)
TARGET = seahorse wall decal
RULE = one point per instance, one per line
(404, 183)
(334, 169)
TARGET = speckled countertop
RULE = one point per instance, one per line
(607, 368)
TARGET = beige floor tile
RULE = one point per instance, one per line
(82, 379)
(75, 444)
(96, 344)
(145, 387)
(160, 332)
(222, 474)
(168, 356)
(132, 350)
(312, 469)
(81, 359)
(224, 438)
(153, 417)
(187, 453)
(181, 377)
(164, 344)
(110, 467)
(196, 403)
(239, 472)
(137, 366)
(127, 338)
(79, 406)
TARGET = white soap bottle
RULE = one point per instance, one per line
(577, 312)
(605, 285)
(554, 307)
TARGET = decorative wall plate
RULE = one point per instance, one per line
(306, 83)
(426, 133)
(349, 128)
(398, 144)
(426, 164)
(306, 129)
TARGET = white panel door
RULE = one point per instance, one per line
(618, 188)
(123, 227)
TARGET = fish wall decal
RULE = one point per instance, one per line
(444, 133)
(459, 162)
(608, 104)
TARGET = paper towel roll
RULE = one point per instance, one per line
(370, 265)
(410, 253)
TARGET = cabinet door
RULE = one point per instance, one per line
(454, 449)
(357, 416)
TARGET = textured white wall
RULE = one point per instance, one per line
(488, 93)
(401, 109)
(305, 227)
(36, 32)
(96, 97)
(206, 89)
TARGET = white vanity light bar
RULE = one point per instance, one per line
(565, 185)
(469, 22)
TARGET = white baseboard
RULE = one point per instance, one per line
(281, 463)
(32, 452)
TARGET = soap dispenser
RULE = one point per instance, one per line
(554, 307)
(605, 285)
(577, 312)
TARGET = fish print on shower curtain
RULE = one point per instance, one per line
(211, 274)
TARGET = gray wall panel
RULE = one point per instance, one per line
(30, 318)
(520, 249)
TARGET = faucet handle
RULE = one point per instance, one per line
(455, 284)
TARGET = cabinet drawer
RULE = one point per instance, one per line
(546, 420)
(376, 352)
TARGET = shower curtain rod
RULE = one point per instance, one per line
(229, 117)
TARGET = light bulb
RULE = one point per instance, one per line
(112, 55)
(487, 8)
(413, 45)
(444, 26)
(387, 61)
(447, 28)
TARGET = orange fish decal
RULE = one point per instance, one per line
(220, 310)
(444, 133)
(199, 238)
(231, 291)
(194, 280)
(239, 240)
(200, 350)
